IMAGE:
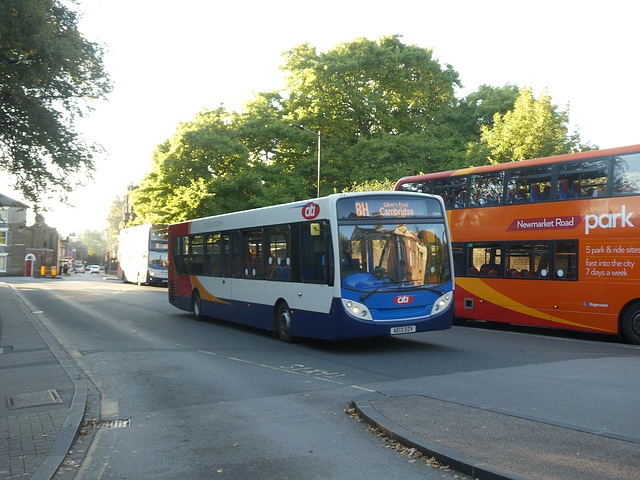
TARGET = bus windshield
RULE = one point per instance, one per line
(158, 260)
(393, 256)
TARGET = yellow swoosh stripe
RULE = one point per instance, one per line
(204, 293)
(480, 289)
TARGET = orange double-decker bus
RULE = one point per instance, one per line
(550, 242)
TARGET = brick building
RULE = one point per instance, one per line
(13, 221)
(44, 243)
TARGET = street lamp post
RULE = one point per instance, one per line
(300, 127)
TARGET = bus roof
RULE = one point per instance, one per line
(258, 215)
(524, 163)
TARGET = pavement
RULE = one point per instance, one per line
(44, 396)
(564, 420)
(559, 420)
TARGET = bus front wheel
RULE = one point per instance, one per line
(196, 306)
(284, 325)
(631, 324)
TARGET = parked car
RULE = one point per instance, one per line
(78, 268)
(94, 269)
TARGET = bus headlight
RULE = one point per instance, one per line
(356, 309)
(442, 303)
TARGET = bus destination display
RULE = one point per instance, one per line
(389, 207)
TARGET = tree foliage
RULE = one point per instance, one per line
(384, 110)
(96, 243)
(114, 217)
(48, 73)
(534, 128)
(374, 95)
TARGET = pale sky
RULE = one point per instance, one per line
(168, 60)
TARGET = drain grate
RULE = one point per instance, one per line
(33, 399)
(116, 423)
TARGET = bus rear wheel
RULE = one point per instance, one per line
(631, 324)
(284, 325)
(196, 306)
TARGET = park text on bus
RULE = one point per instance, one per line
(342, 266)
(551, 242)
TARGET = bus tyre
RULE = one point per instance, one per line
(631, 324)
(284, 325)
(196, 306)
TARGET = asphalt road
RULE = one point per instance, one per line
(209, 399)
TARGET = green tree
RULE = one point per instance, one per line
(97, 245)
(115, 217)
(385, 110)
(203, 169)
(385, 185)
(48, 73)
(373, 91)
(534, 128)
(478, 109)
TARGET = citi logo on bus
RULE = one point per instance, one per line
(403, 300)
(310, 211)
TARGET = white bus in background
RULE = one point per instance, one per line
(142, 254)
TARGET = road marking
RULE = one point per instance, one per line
(295, 369)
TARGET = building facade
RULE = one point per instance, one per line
(13, 221)
(45, 244)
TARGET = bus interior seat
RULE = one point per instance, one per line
(522, 195)
(535, 193)
(564, 191)
(577, 192)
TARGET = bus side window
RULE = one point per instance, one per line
(225, 254)
(626, 174)
(214, 256)
(278, 253)
(314, 252)
(528, 260)
(453, 191)
(488, 256)
(566, 260)
(197, 255)
(178, 254)
(486, 189)
(252, 266)
(185, 259)
(236, 254)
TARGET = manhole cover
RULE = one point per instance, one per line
(33, 399)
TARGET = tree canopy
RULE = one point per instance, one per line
(534, 128)
(48, 73)
(384, 109)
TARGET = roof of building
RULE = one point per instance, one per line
(10, 202)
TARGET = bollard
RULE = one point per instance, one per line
(53, 271)
(43, 270)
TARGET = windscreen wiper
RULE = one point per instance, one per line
(433, 289)
(367, 295)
